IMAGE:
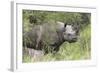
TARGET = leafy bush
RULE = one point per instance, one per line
(32, 17)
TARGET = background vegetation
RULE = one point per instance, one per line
(68, 51)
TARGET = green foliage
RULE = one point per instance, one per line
(40, 17)
(68, 51)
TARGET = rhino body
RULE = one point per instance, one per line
(50, 36)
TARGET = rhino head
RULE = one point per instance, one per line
(70, 32)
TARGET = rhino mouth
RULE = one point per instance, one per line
(73, 40)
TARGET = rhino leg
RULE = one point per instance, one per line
(39, 36)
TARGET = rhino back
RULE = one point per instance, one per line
(51, 32)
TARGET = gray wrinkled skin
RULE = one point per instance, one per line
(50, 35)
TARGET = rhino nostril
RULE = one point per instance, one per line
(69, 34)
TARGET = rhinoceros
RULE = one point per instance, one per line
(50, 36)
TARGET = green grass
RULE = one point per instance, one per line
(80, 50)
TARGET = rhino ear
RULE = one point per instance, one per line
(65, 24)
(64, 29)
(76, 28)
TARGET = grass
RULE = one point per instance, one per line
(80, 50)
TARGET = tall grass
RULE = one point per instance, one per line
(80, 50)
